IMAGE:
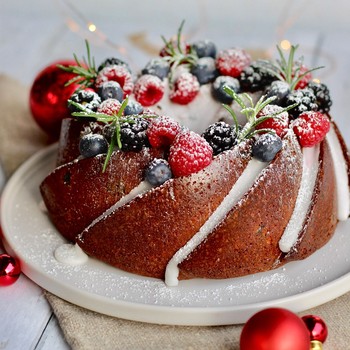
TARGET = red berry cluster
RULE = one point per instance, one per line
(188, 151)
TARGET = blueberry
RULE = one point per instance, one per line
(158, 172)
(111, 89)
(157, 67)
(280, 90)
(204, 48)
(266, 147)
(113, 61)
(217, 88)
(91, 145)
(133, 108)
(205, 70)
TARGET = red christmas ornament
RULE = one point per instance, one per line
(48, 97)
(9, 270)
(317, 328)
(275, 329)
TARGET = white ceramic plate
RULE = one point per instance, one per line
(32, 238)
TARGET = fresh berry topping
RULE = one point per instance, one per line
(87, 99)
(158, 172)
(120, 74)
(217, 88)
(278, 89)
(304, 80)
(323, 98)
(110, 106)
(189, 154)
(205, 70)
(185, 89)
(279, 123)
(133, 134)
(204, 48)
(158, 67)
(257, 76)
(306, 100)
(110, 89)
(113, 61)
(162, 131)
(133, 108)
(220, 136)
(91, 145)
(232, 62)
(311, 128)
(149, 89)
(266, 147)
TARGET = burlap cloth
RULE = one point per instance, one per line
(84, 329)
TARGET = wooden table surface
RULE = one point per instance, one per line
(38, 32)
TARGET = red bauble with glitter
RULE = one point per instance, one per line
(48, 97)
(317, 328)
(9, 270)
(275, 329)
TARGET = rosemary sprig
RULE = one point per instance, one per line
(85, 70)
(287, 69)
(114, 120)
(251, 112)
(176, 55)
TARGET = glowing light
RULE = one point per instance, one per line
(285, 44)
(316, 80)
(91, 27)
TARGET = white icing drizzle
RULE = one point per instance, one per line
(341, 178)
(242, 185)
(70, 254)
(141, 188)
(302, 204)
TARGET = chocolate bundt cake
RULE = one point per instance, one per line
(248, 173)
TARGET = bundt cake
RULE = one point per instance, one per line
(159, 175)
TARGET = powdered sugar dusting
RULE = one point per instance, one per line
(242, 185)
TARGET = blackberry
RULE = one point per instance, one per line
(278, 89)
(158, 172)
(204, 48)
(113, 61)
(133, 134)
(306, 100)
(266, 147)
(205, 70)
(218, 92)
(221, 136)
(87, 99)
(323, 98)
(257, 75)
(158, 67)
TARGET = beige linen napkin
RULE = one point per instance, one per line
(84, 329)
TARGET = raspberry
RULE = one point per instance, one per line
(149, 89)
(162, 131)
(279, 123)
(304, 81)
(189, 154)
(110, 106)
(232, 62)
(311, 128)
(185, 89)
(120, 74)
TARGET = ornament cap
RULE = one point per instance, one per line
(316, 345)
